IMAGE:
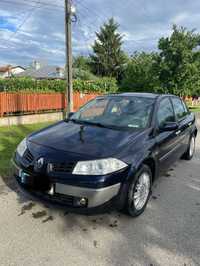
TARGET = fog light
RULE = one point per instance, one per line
(80, 202)
(83, 201)
(51, 191)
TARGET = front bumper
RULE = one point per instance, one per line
(66, 194)
(95, 197)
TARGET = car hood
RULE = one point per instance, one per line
(93, 141)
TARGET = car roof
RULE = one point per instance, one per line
(139, 94)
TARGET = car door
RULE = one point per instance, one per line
(167, 141)
(184, 121)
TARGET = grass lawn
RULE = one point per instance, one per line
(10, 138)
(194, 108)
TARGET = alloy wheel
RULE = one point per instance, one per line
(141, 191)
(192, 146)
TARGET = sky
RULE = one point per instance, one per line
(34, 29)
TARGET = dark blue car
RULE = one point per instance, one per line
(108, 153)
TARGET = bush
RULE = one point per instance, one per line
(83, 74)
(103, 85)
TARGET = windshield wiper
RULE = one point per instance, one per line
(76, 121)
(93, 123)
(98, 124)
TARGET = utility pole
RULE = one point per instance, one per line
(68, 40)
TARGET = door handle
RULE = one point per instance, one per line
(178, 132)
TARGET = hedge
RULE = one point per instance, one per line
(103, 85)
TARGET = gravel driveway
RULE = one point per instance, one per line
(168, 233)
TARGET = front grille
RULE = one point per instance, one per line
(66, 199)
(63, 167)
(28, 157)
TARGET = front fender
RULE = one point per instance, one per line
(136, 165)
(148, 157)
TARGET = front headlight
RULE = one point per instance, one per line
(99, 167)
(21, 148)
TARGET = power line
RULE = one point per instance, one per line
(90, 26)
(53, 6)
(92, 11)
(38, 5)
(101, 18)
(45, 3)
(84, 37)
(30, 13)
(31, 3)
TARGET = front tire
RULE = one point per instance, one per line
(139, 191)
(191, 149)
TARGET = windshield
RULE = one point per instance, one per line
(116, 111)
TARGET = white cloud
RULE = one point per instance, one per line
(42, 35)
(59, 36)
(180, 18)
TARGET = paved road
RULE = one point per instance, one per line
(168, 233)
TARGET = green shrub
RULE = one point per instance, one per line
(100, 85)
(81, 74)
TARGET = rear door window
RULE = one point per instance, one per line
(185, 107)
(179, 109)
(165, 112)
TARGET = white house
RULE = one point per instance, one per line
(9, 71)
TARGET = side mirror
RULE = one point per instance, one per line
(169, 126)
(70, 114)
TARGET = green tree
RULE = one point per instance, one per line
(139, 74)
(82, 68)
(178, 65)
(82, 62)
(108, 58)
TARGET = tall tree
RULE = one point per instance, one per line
(139, 74)
(178, 63)
(108, 58)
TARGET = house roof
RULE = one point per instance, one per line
(43, 72)
(17, 67)
(4, 69)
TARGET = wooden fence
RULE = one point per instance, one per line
(12, 103)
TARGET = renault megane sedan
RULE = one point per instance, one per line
(108, 153)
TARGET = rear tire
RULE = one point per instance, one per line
(191, 149)
(139, 191)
